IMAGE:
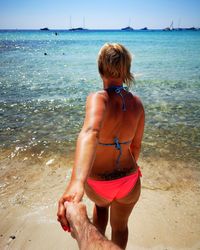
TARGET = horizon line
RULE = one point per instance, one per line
(91, 29)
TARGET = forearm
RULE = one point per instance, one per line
(92, 239)
(86, 234)
(85, 154)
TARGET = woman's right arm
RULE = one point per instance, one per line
(85, 152)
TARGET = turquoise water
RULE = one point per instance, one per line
(42, 96)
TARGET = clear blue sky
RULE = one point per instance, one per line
(108, 14)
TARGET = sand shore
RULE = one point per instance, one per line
(164, 218)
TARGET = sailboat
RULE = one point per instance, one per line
(170, 28)
(78, 28)
(128, 28)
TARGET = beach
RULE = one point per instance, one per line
(164, 217)
(44, 81)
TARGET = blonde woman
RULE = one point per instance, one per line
(108, 148)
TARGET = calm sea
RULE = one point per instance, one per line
(45, 78)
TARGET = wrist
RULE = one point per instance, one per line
(78, 176)
(78, 181)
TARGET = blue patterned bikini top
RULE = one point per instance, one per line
(116, 142)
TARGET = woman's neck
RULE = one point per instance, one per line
(111, 82)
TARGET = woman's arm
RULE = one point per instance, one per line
(137, 140)
(88, 137)
(85, 152)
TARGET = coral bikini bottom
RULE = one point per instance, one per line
(115, 189)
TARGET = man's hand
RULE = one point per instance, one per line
(86, 234)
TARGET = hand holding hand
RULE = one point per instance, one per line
(74, 192)
(77, 217)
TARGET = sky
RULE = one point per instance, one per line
(98, 14)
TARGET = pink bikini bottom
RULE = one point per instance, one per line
(115, 189)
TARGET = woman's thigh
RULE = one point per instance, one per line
(122, 208)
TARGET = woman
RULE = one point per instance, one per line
(108, 148)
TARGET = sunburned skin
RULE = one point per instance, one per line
(126, 128)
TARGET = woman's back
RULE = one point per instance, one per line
(121, 118)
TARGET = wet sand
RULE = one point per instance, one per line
(166, 216)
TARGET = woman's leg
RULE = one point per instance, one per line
(119, 213)
(100, 218)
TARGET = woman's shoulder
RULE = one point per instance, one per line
(137, 101)
(100, 95)
(136, 98)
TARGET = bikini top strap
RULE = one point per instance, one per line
(117, 145)
(118, 90)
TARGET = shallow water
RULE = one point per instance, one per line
(42, 97)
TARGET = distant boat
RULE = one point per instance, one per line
(44, 28)
(170, 28)
(127, 28)
(145, 28)
(191, 28)
(166, 29)
(179, 29)
(77, 29)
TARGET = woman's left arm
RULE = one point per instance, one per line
(85, 151)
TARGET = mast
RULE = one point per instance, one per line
(171, 25)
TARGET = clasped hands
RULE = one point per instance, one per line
(73, 193)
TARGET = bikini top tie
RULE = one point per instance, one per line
(117, 145)
(118, 90)
(116, 142)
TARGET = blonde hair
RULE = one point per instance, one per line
(114, 61)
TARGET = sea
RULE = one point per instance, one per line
(45, 77)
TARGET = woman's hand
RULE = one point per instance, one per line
(74, 192)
